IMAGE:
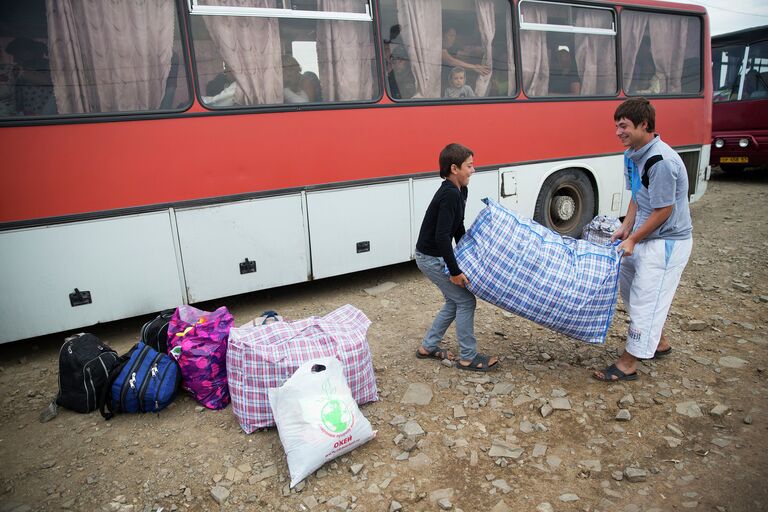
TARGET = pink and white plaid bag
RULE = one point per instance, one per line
(265, 356)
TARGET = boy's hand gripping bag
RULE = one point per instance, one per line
(198, 341)
(317, 417)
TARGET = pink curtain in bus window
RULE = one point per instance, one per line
(421, 27)
(345, 54)
(486, 23)
(669, 35)
(251, 49)
(109, 56)
(595, 54)
(535, 56)
(633, 26)
(511, 79)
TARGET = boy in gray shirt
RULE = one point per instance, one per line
(656, 236)
(458, 87)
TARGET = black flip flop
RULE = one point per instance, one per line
(479, 359)
(613, 370)
(659, 354)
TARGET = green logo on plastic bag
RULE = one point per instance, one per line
(335, 414)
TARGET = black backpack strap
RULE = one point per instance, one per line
(648, 164)
(105, 402)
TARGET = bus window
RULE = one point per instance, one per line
(567, 50)
(726, 72)
(661, 53)
(756, 79)
(451, 50)
(63, 58)
(245, 61)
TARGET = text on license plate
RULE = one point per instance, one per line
(734, 159)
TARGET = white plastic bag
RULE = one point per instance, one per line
(316, 417)
(599, 230)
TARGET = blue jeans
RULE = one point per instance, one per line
(459, 304)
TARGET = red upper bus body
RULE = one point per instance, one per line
(62, 170)
(64, 167)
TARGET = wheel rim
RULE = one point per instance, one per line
(565, 208)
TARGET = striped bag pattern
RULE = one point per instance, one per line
(567, 285)
(261, 357)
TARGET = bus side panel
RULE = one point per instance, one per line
(128, 265)
(481, 185)
(522, 184)
(702, 176)
(216, 240)
(359, 228)
(423, 191)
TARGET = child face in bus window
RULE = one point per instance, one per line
(457, 80)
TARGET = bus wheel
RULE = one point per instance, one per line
(566, 202)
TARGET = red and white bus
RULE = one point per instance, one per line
(740, 110)
(160, 152)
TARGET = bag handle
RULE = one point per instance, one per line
(319, 366)
(266, 315)
(104, 402)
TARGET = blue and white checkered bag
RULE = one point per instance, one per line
(567, 285)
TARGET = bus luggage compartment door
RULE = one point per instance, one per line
(242, 247)
(69, 276)
(359, 228)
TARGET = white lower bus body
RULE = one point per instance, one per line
(143, 263)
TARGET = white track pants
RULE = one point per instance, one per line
(648, 280)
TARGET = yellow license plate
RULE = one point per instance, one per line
(734, 160)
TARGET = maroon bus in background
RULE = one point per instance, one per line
(740, 95)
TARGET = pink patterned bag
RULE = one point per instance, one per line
(265, 356)
(198, 341)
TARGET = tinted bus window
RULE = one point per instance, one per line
(726, 72)
(756, 79)
(252, 60)
(452, 50)
(661, 53)
(79, 58)
(567, 50)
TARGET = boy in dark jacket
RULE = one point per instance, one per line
(444, 221)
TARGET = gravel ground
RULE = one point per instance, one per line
(691, 433)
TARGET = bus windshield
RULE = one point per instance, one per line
(730, 70)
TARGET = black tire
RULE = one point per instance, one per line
(566, 202)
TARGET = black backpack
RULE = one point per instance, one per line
(155, 332)
(84, 367)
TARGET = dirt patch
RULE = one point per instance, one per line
(574, 459)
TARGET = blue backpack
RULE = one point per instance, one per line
(144, 380)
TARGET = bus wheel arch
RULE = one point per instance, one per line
(567, 201)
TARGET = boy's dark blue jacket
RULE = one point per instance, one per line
(443, 221)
